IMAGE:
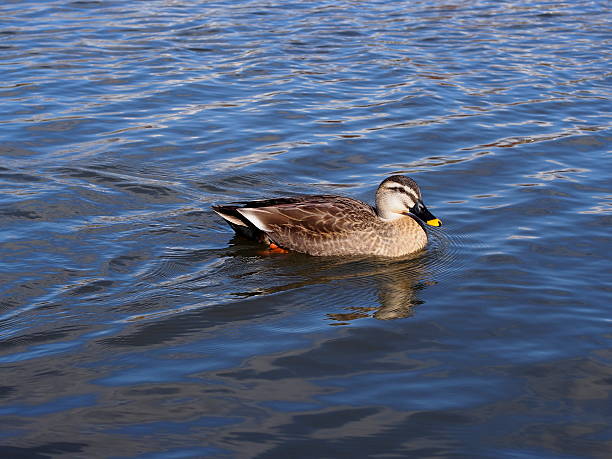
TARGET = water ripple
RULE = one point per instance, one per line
(129, 312)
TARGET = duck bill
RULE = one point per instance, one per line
(424, 214)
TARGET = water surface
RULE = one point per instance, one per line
(133, 323)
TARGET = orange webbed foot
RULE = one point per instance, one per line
(273, 248)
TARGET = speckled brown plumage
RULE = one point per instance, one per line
(334, 225)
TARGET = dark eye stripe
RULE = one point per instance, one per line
(405, 191)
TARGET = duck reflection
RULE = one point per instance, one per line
(397, 285)
(390, 286)
(398, 298)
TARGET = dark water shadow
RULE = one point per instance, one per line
(205, 290)
(394, 283)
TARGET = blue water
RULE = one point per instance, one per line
(134, 324)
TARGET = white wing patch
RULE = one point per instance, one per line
(230, 218)
(252, 216)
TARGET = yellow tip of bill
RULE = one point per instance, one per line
(434, 222)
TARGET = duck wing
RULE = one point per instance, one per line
(311, 225)
(230, 212)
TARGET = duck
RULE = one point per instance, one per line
(331, 225)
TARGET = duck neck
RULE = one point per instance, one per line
(386, 214)
(384, 206)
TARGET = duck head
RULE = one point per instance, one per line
(399, 195)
